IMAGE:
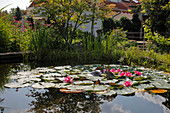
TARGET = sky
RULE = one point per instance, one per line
(22, 4)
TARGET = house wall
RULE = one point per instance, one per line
(98, 25)
(128, 15)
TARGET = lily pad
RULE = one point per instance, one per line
(110, 93)
(16, 85)
(125, 91)
(70, 91)
(38, 86)
(109, 81)
(158, 91)
(144, 86)
(47, 85)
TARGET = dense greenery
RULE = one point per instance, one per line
(133, 25)
(58, 40)
(159, 13)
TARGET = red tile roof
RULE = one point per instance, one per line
(119, 6)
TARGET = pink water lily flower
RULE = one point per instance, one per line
(112, 70)
(15, 17)
(122, 73)
(68, 79)
(137, 73)
(104, 70)
(118, 70)
(128, 83)
(128, 74)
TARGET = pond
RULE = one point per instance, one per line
(30, 88)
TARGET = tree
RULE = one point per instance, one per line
(126, 23)
(136, 23)
(18, 14)
(108, 25)
(68, 15)
(158, 12)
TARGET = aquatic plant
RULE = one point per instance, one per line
(102, 82)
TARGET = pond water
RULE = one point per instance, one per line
(28, 99)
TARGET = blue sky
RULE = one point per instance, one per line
(14, 3)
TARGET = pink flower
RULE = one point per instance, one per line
(118, 70)
(48, 24)
(138, 73)
(68, 79)
(35, 23)
(16, 21)
(122, 74)
(112, 70)
(15, 17)
(104, 70)
(34, 29)
(128, 83)
(128, 74)
(20, 22)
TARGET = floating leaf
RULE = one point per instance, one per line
(108, 81)
(70, 91)
(125, 91)
(47, 85)
(38, 86)
(158, 91)
(144, 86)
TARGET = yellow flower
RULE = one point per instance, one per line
(143, 11)
(84, 27)
(52, 21)
(151, 8)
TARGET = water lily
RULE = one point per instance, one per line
(122, 73)
(104, 70)
(118, 70)
(128, 74)
(128, 83)
(112, 70)
(137, 73)
(68, 79)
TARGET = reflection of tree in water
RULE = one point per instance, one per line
(4, 70)
(9, 69)
(167, 96)
(55, 101)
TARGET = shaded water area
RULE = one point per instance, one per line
(28, 99)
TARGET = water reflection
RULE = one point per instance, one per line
(7, 70)
(54, 101)
(157, 99)
(51, 100)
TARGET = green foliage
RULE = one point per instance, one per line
(158, 12)
(42, 42)
(134, 56)
(133, 25)
(126, 23)
(18, 14)
(108, 25)
(136, 23)
(157, 42)
(4, 35)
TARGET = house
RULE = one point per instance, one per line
(122, 8)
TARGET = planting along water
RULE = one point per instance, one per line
(94, 88)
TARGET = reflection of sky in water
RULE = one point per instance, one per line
(135, 104)
(18, 102)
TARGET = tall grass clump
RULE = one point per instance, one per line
(134, 56)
